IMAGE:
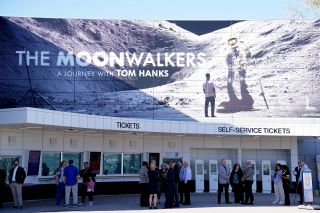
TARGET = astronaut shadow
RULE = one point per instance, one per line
(235, 104)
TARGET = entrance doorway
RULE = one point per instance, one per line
(154, 157)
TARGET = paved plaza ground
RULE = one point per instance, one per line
(203, 203)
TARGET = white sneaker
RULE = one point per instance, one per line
(281, 203)
(90, 203)
(274, 202)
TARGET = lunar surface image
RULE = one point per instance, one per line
(156, 69)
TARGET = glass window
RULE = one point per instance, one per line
(6, 163)
(112, 164)
(76, 157)
(50, 163)
(131, 163)
(95, 162)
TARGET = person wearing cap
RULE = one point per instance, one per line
(17, 176)
(71, 176)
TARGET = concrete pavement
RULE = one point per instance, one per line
(204, 202)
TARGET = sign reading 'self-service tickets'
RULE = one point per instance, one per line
(163, 70)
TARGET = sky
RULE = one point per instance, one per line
(150, 9)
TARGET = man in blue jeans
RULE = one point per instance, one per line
(71, 176)
(210, 93)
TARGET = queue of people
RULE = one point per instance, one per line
(173, 179)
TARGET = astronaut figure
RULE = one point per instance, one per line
(237, 60)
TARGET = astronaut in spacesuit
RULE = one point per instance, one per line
(237, 60)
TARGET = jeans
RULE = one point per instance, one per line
(210, 100)
(60, 193)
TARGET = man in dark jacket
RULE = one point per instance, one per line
(86, 173)
(3, 177)
(176, 171)
(16, 180)
(170, 186)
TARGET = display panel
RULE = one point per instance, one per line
(157, 69)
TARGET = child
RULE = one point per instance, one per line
(90, 190)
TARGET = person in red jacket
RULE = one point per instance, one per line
(16, 180)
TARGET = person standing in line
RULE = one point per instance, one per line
(181, 184)
(187, 182)
(71, 176)
(59, 178)
(90, 189)
(3, 177)
(223, 181)
(153, 176)
(170, 186)
(144, 180)
(248, 181)
(299, 190)
(210, 94)
(286, 184)
(303, 169)
(85, 173)
(236, 183)
(278, 186)
(16, 180)
(162, 180)
(176, 169)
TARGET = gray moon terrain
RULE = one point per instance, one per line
(274, 65)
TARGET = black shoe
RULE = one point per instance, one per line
(213, 116)
(228, 202)
(150, 207)
(15, 207)
(207, 116)
(155, 207)
(251, 203)
(186, 204)
(219, 202)
(20, 207)
(244, 203)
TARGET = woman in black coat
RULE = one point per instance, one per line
(236, 183)
(153, 186)
(286, 184)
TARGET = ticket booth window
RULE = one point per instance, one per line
(131, 163)
(112, 164)
(76, 157)
(50, 163)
